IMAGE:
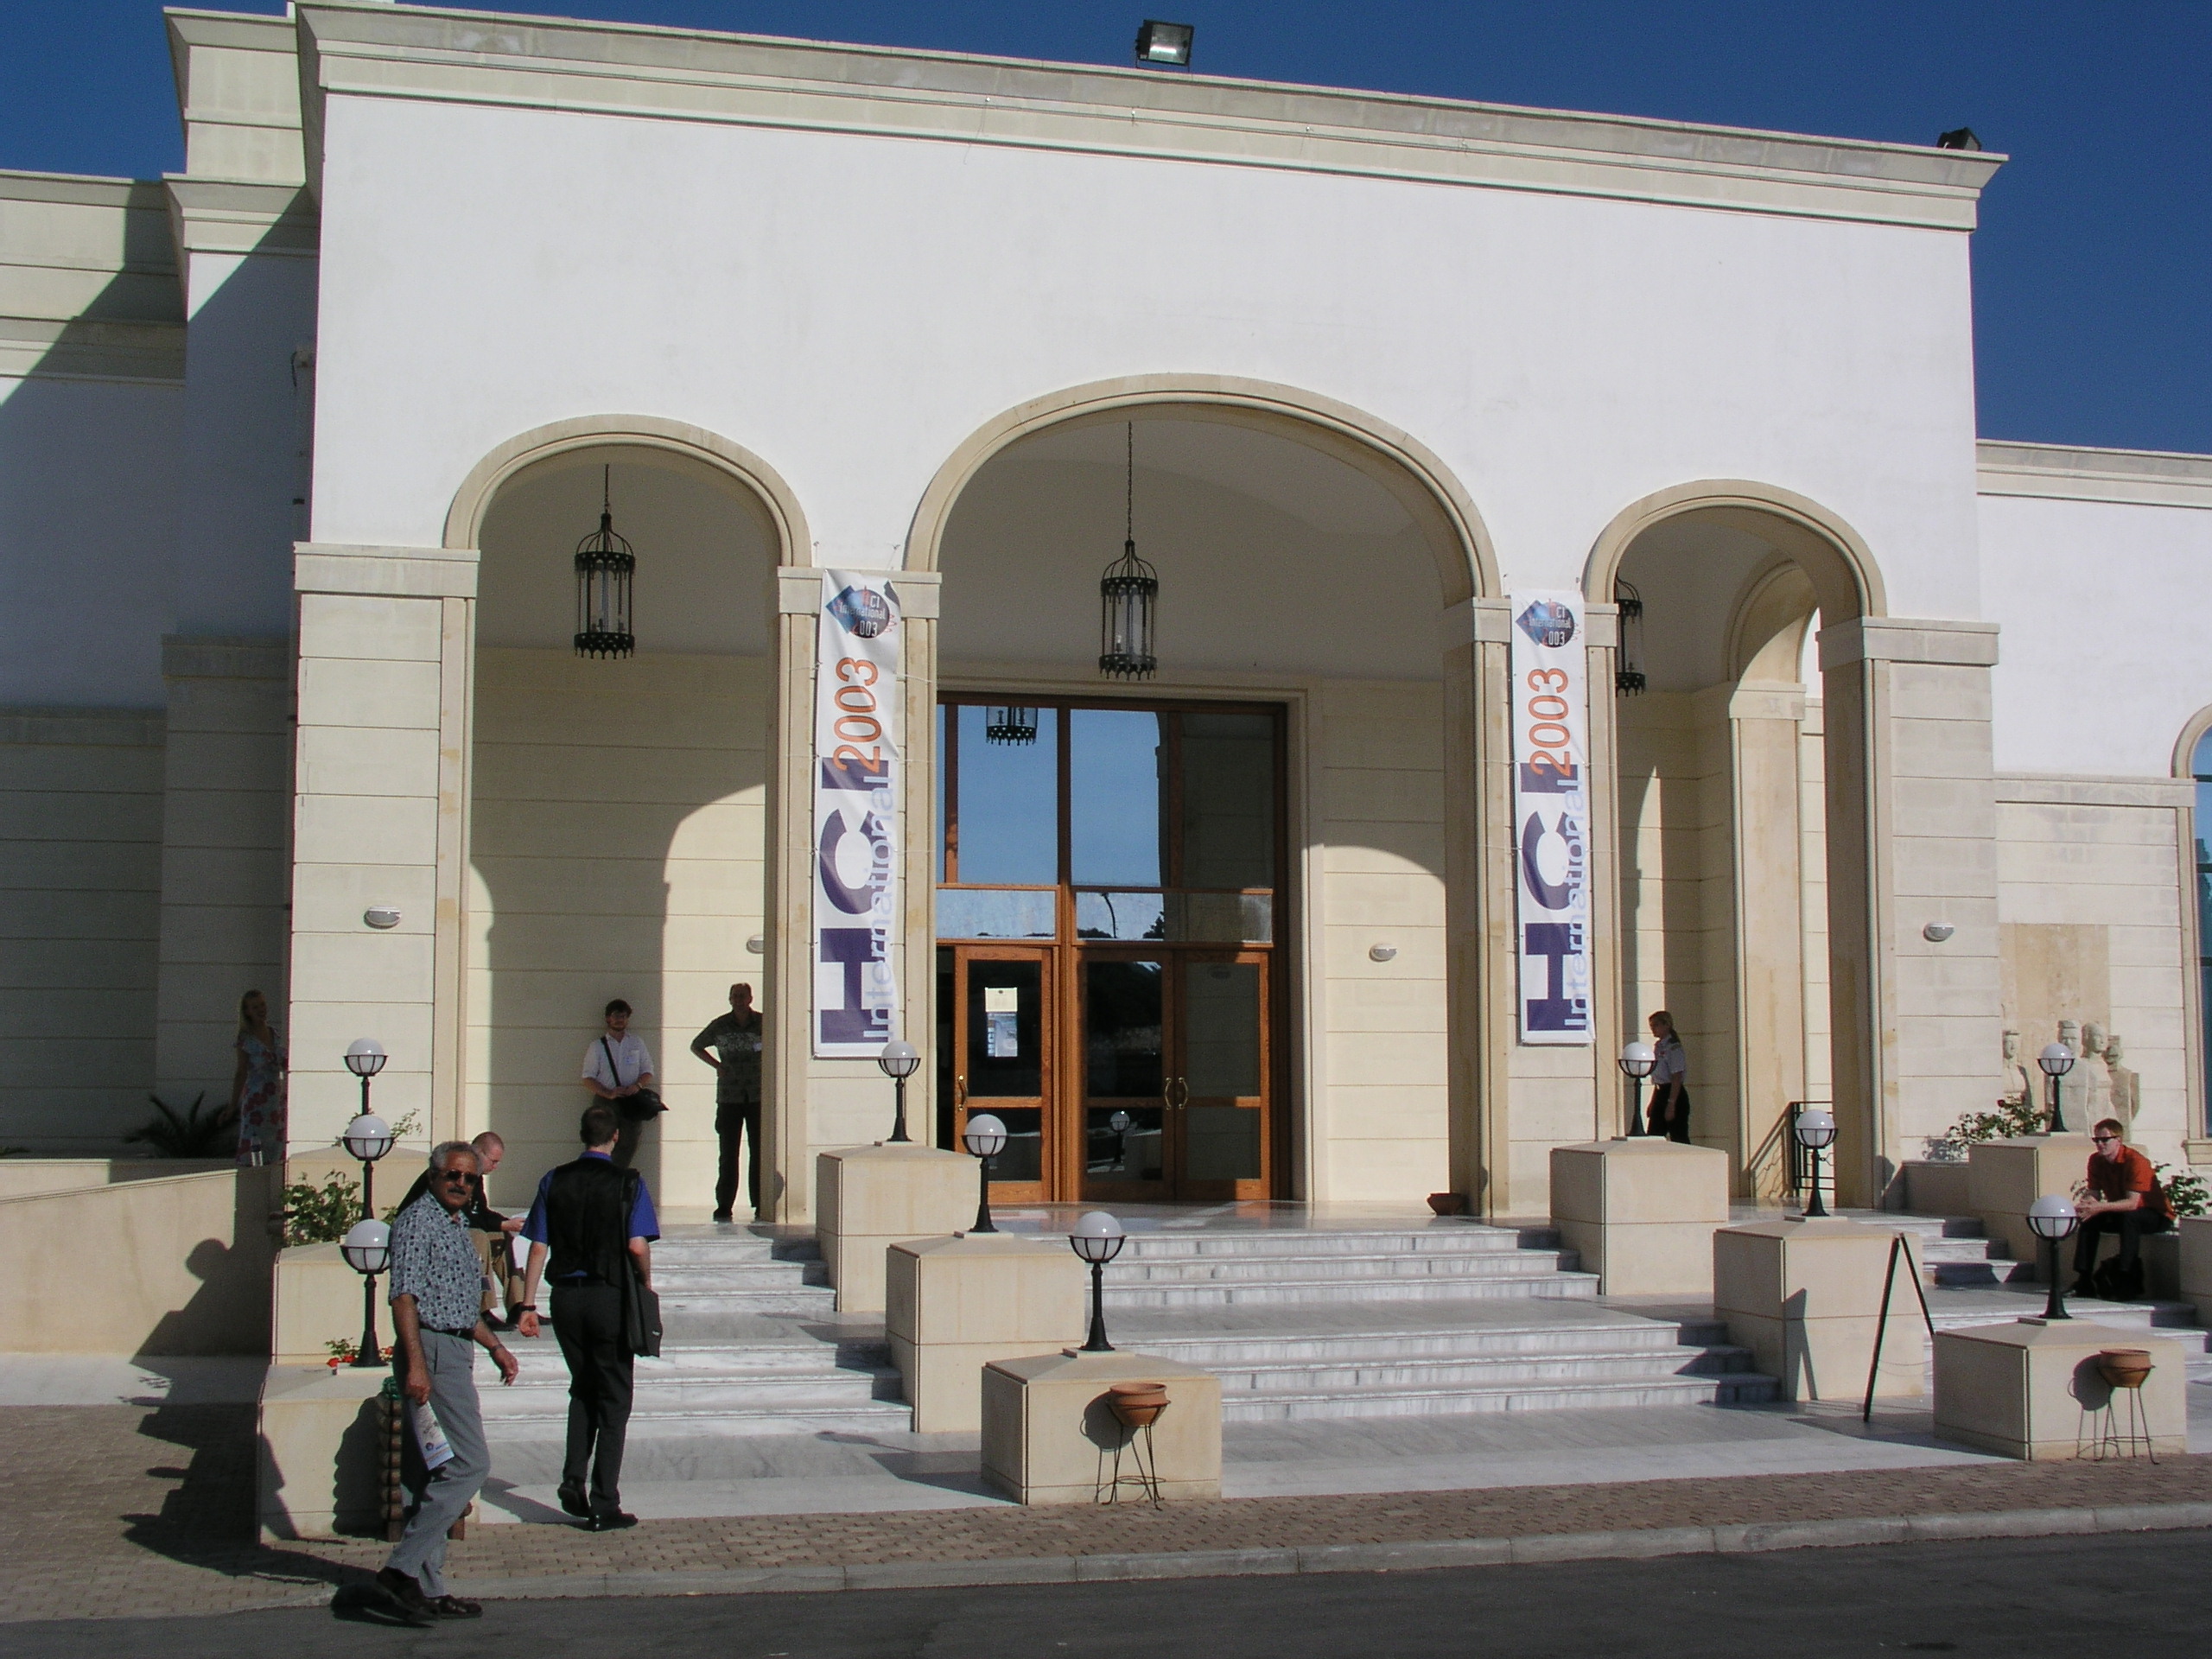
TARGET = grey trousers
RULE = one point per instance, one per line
(452, 1486)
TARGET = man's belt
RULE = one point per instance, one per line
(468, 1335)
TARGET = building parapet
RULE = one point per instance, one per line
(419, 52)
(2065, 472)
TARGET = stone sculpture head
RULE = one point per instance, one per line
(2069, 1032)
(2092, 1038)
(2112, 1049)
(2012, 1045)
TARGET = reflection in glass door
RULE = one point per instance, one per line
(1220, 1085)
(1002, 1057)
(1124, 1077)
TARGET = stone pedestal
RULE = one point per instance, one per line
(2196, 1268)
(2025, 1389)
(2004, 1176)
(1938, 1189)
(321, 1443)
(1049, 1436)
(866, 1198)
(953, 1305)
(1805, 1297)
(1640, 1213)
(318, 1300)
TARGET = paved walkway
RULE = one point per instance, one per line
(119, 1511)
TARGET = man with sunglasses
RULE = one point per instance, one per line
(2126, 1199)
(437, 1288)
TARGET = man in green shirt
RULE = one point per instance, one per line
(735, 1038)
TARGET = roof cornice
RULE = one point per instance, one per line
(2059, 472)
(382, 50)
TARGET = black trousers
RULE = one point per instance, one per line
(732, 1121)
(587, 1319)
(625, 1137)
(2132, 1226)
(1675, 1127)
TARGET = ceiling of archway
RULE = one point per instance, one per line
(1272, 556)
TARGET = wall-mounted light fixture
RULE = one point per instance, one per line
(1628, 673)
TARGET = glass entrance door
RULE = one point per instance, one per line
(1001, 1058)
(1121, 866)
(1175, 1083)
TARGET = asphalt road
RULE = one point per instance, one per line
(2113, 1593)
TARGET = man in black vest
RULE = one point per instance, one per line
(589, 1217)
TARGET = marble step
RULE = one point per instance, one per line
(697, 1311)
(1731, 1387)
(1453, 1287)
(1655, 1339)
(651, 1421)
(1166, 1244)
(1374, 1375)
(1364, 1269)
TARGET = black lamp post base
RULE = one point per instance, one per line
(2053, 1306)
(898, 1135)
(1097, 1343)
(983, 1222)
(370, 1352)
(1815, 1209)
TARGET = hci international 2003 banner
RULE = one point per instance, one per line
(1551, 813)
(858, 759)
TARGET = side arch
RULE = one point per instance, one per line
(680, 443)
(1415, 476)
(2192, 733)
(1846, 579)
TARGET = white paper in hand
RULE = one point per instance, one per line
(431, 1439)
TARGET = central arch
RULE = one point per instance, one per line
(1451, 531)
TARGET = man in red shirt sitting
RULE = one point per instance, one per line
(2127, 1200)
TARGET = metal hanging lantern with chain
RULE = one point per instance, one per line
(605, 565)
(1008, 725)
(1127, 594)
(1628, 677)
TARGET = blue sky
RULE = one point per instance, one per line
(2091, 266)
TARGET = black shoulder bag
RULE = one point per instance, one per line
(642, 1107)
(640, 1302)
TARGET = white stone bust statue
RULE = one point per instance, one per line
(2096, 1081)
(2126, 1087)
(2020, 1081)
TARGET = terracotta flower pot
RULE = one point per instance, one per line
(1137, 1404)
(2124, 1367)
(1448, 1203)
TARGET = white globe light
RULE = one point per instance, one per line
(2052, 1216)
(2056, 1058)
(985, 1135)
(367, 1247)
(898, 1059)
(365, 1057)
(1817, 1128)
(1097, 1236)
(1638, 1059)
(368, 1137)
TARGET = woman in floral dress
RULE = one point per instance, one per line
(258, 1089)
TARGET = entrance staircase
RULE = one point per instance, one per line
(1298, 1323)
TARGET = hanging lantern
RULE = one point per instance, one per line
(1015, 727)
(604, 566)
(1627, 677)
(1128, 594)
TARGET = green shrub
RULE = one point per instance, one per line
(321, 1215)
(2185, 1190)
(2012, 1117)
(187, 1134)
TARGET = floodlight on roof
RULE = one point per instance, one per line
(1165, 43)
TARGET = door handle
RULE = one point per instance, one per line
(1180, 1096)
(960, 1091)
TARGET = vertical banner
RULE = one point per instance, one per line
(1551, 813)
(856, 780)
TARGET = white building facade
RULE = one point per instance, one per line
(295, 447)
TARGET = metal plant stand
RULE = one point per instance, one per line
(1135, 1445)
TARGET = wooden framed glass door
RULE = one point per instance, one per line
(1218, 1091)
(1002, 1060)
(1174, 1075)
(1121, 865)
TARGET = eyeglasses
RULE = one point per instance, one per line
(451, 1175)
(2105, 1139)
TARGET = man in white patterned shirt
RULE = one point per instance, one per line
(437, 1290)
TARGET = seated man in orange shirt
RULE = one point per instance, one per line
(2127, 1201)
